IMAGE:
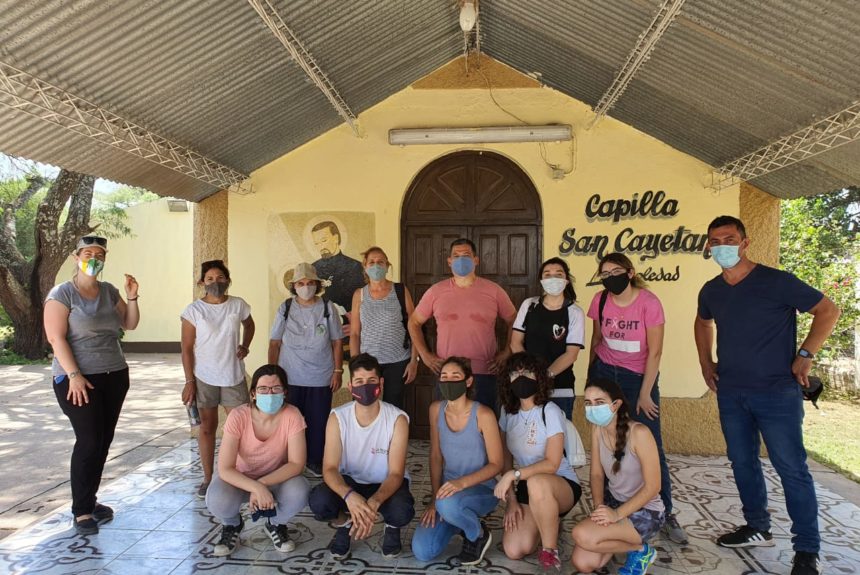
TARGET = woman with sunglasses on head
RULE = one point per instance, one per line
(626, 515)
(379, 327)
(465, 457)
(626, 345)
(552, 327)
(212, 328)
(260, 462)
(84, 319)
(539, 486)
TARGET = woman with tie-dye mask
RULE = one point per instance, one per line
(84, 318)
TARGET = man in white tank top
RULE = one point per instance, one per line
(364, 465)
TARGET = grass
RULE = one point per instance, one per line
(9, 357)
(832, 435)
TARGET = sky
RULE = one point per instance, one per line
(12, 167)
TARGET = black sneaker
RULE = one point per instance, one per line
(87, 526)
(806, 563)
(473, 551)
(102, 513)
(391, 546)
(229, 539)
(280, 536)
(339, 544)
(314, 469)
(746, 536)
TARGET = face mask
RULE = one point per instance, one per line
(376, 272)
(616, 284)
(553, 286)
(523, 387)
(366, 394)
(269, 403)
(216, 289)
(91, 267)
(452, 390)
(462, 266)
(306, 292)
(726, 256)
(600, 415)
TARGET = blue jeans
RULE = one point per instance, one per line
(566, 405)
(463, 510)
(777, 414)
(630, 383)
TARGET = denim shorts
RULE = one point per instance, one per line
(646, 522)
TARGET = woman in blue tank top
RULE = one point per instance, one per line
(465, 456)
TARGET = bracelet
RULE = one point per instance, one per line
(347, 494)
(245, 347)
(550, 374)
(194, 381)
(338, 371)
(133, 298)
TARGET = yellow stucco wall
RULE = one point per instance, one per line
(338, 171)
(759, 212)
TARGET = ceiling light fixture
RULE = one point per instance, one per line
(468, 15)
(495, 134)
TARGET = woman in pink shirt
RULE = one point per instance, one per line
(262, 455)
(626, 345)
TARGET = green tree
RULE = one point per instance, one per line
(820, 244)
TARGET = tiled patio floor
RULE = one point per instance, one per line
(161, 529)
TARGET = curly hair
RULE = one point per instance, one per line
(524, 361)
(622, 417)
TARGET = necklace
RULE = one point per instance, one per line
(527, 419)
(456, 414)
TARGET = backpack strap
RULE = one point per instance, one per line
(400, 292)
(289, 302)
(532, 307)
(326, 313)
(543, 417)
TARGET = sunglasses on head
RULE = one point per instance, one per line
(94, 241)
(212, 263)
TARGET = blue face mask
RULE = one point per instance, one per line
(462, 266)
(726, 256)
(270, 403)
(376, 272)
(600, 415)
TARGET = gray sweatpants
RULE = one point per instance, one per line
(224, 500)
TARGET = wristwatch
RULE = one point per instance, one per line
(805, 354)
(517, 475)
(74, 374)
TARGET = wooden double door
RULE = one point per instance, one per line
(486, 198)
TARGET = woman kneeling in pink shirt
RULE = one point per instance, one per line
(262, 456)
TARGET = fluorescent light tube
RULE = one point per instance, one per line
(496, 134)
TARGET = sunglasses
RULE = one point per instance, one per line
(94, 241)
(212, 264)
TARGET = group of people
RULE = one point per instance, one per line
(480, 454)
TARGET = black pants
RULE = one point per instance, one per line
(392, 389)
(94, 424)
(397, 511)
(314, 403)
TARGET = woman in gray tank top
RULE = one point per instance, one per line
(625, 517)
(84, 318)
(465, 456)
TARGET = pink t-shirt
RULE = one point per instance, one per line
(624, 342)
(258, 458)
(466, 319)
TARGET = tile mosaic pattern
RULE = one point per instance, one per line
(160, 528)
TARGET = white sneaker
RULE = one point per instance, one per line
(280, 537)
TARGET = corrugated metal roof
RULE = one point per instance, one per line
(726, 78)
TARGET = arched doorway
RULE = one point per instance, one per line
(482, 196)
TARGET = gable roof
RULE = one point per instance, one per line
(727, 77)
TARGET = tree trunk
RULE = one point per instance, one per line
(29, 340)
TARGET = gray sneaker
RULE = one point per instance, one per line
(674, 531)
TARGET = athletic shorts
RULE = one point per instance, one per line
(522, 492)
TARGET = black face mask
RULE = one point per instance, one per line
(452, 390)
(616, 284)
(523, 387)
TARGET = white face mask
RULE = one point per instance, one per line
(553, 286)
(306, 291)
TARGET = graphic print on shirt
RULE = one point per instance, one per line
(615, 334)
(558, 331)
(531, 434)
(378, 451)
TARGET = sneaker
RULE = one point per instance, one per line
(229, 539)
(280, 537)
(806, 563)
(473, 551)
(548, 560)
(339, 544)
(102, 513)
(201, 491)
(746, 536)
(639, 561)
(391, 545)
(87, 526)
(314, 469)
(674, 531)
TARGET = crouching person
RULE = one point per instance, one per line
(364, 465)
(261, 459)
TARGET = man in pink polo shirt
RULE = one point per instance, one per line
(465, 308)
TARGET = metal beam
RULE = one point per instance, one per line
(26, 93)
(833, 131)
(640, 54)
(304, 59)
